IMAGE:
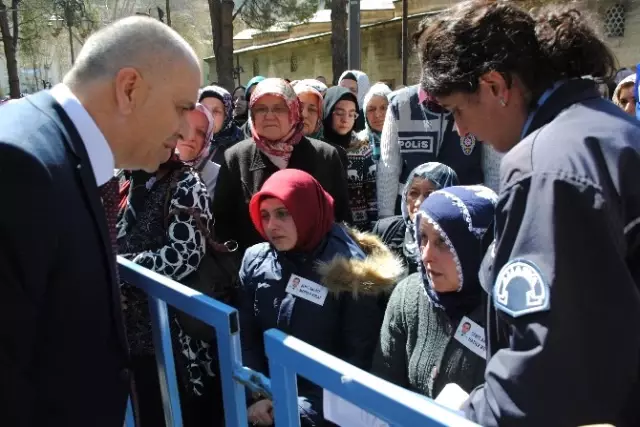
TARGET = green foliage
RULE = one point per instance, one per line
(34, 29)
(262, 14)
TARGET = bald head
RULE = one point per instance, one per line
(138, 80)
(135, 42)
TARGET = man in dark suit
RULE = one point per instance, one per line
(63, 353)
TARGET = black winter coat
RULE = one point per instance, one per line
(245, 170)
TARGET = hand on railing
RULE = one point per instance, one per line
(261, 413)
(257, 383)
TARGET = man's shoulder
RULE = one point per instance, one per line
(28, 128)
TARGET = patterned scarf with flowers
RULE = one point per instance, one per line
(283, 147)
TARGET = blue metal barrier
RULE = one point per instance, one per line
(222, 317)
(287, 356)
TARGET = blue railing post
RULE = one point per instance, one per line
(284, 387)
(128, 417)
(230, 360)
(166, 366)
(220, 316)
(388, 402)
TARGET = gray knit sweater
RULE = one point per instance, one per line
(417, 350)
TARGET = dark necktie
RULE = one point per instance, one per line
(110, 197)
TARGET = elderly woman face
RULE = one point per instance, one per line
(376, 112)
(352, 85)
(216, 108)
(419, 190)
(310, 112)
(270, 116)
(438, 260)
(191, 145)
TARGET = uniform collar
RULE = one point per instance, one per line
(554, 100)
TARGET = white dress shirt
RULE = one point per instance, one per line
(100, 154)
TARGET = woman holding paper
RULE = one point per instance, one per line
(433, 330)
(312, 279)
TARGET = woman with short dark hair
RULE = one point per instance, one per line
(564, 272)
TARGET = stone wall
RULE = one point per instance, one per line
(381, 57)
(381, 54)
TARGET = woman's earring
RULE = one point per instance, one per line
(502, 102)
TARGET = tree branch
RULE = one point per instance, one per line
(239, 10)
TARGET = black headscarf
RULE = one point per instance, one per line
(334, 95)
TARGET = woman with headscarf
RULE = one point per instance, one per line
(225, 132)
(358, 83)
(240, 106)
(433, 330)
(316, 84)
(340, 113)
(193, 150)
(624, 95)
(161, 227)
(311, 102)
(398, 232)
(374, 109)
(277, 142)
(312, 279)
(251, 86)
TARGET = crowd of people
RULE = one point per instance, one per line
(479, 229)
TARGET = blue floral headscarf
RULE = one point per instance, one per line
(462, 216)
(441, 176)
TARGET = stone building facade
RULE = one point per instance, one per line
(297, 51)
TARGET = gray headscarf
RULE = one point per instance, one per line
(441, 176)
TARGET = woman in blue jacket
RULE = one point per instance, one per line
(312, 279)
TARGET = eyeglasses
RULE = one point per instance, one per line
(262, 110)
(344, 115)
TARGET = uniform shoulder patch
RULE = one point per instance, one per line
(520, 289)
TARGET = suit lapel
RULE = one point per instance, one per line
(85, 175)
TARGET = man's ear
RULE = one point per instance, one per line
(130, 90)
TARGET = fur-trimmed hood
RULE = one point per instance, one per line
(378, 271)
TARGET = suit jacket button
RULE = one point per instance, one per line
(125, 375)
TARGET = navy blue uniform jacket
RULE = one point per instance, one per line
(564, 277)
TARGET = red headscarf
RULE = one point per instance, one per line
(310, 206)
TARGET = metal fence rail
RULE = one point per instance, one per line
(287, 356)
(395, 405)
